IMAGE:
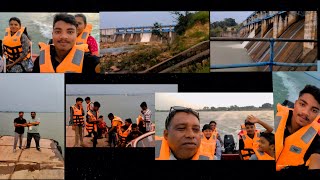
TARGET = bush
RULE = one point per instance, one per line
(200, 16)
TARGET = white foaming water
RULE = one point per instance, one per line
(244, 43)
(44, 28)
(292, 88)
(146, 37)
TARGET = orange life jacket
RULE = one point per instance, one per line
(125, 133)
(162, 151)
(83, 37)
(92, 126)
(77, 115)
(12, 45)
(73, 62)
(262, 155)
(120, 122)
(291, 152)
(139, 118)
(208, 146)
(250, 143)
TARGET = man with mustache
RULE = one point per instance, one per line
(181, 137)
(297, 133)
(64, 56)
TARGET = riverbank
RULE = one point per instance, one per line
(145, 55)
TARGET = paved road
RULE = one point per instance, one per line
(229, 52)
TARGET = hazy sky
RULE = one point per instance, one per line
(130, 19)
(239, 16)
(119, 88)
(32, 92)
(198, 100)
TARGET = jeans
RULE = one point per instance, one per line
(16, 137)
(36, 137)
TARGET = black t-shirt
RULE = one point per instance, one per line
(19, 130)
(89, 62)
(314, 146)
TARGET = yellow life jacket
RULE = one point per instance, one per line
(92, 126)
(77, 115)
(12, 45)
(119, 120)
(291, 152)
(250, 143)
(162, 151)
(73, 62)
(262, 155)
(83, 37)
(208, 146)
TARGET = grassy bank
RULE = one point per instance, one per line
(146, 55)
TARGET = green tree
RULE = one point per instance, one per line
(157, 30)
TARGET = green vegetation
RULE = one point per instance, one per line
(265, 106)
(218, 27)
(191, 29)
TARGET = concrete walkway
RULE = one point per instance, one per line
(70, 139)
(30, 163)
(229, 52)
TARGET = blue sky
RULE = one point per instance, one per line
(130, 19)
(239, 16)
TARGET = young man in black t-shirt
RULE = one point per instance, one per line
(19, 124)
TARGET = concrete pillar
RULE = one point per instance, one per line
(264, 28)
(292, 17)
(310, 30)
(285, 23)
(275, 26)
(280, 26)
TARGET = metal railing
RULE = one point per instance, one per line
(271, 62)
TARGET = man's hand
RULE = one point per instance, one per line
(252, 119)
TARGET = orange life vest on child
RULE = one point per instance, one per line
(291, 150)
(208, 146)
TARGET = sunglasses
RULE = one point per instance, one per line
(174, 109)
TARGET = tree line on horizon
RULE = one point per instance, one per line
(265, 106)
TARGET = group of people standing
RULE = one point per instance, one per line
(71, 49)
(33, 131)
(118, 134)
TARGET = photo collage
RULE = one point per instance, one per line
(84, 94)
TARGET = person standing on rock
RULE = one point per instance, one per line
(33, 131)
(19, 124)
